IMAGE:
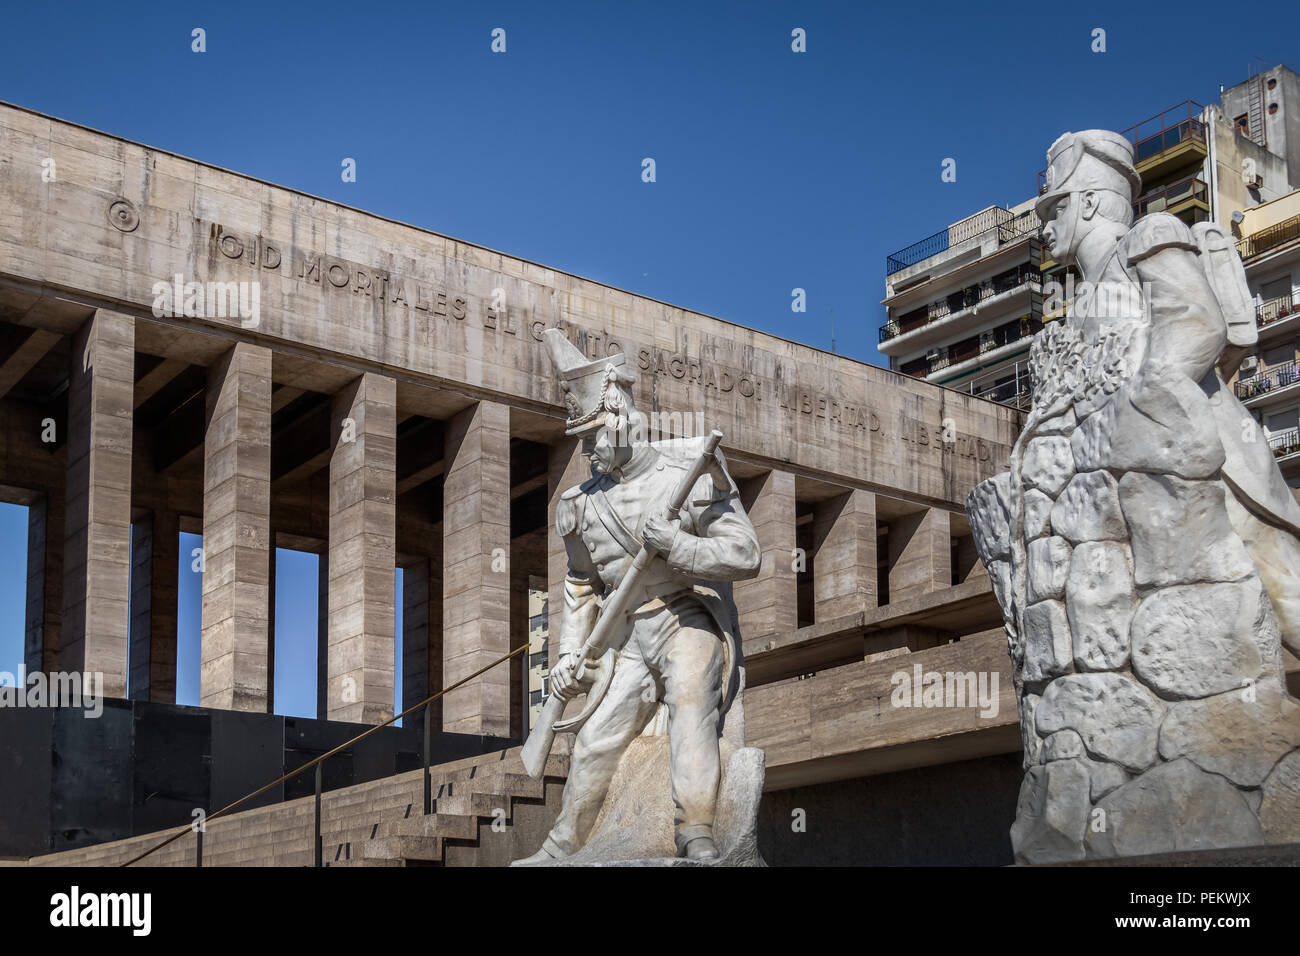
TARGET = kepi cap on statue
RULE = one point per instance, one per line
(1090, 159)
(586, 385)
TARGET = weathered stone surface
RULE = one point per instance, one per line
(1088, 509)
(1164, 426)
(1240, 734)
(1049, 563)
(1100, 603)
(1029, 739)
(1000, 579)
(1279, 811)
(1175, 806)
(1061, 424)
(1117, 718)
(1180, 531)
(635, 825)
(1038, 513)
(1063, 745)
(989, 511)
(1048, 464)
(1047, 641)
(1198, 640)
(1104, 777)
(1051, 813)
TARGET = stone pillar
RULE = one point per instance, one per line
(154, 546)
(362, 551)
(920, 554)
(476, 569)
(237, 532)
(844, 572)
(44, 582)
(769, 603)
(421, 636)
(97, 525)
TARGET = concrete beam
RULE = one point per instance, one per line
(768, 603)
(844, 570)
(157, 378)
(97, 525)
(476, 575)
(154, 546)
(237, 532)
(841, 723)
(21, 361)
(920, 554)
(44, 581)
(362, 551)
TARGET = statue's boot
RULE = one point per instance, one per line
(541, 856)
(701, 848)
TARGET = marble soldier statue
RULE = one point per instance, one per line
(1143, 544)
(676, 652)
(1154, 274)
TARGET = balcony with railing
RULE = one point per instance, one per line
(1285, 443)
(1178, 127)
(1268, 238)
(1275, 310)
(969, 348)
(1267, 379)
(1162, 143)
(960, 300)
(1012, 386)
(1007, 227)
(1188, 198)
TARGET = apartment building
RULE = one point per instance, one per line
(963, 305)
(1268, 382)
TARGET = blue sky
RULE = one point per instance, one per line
(774, 170)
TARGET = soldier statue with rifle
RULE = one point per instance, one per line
(648, 625)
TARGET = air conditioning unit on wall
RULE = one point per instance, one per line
(1249, 364)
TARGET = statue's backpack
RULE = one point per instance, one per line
(1227, 277)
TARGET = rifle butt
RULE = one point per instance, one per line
(537, 748)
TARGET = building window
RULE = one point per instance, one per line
(1272, 108)
(1242, 124)
(1272, 83)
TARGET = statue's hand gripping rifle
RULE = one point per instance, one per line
(538, 746)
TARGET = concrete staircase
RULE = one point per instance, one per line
(486, 812)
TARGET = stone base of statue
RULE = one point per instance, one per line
(1154, 712)
(635, 826)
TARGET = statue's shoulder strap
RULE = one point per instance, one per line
(1155, 233)
(568, 511)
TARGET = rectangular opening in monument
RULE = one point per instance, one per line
(297, 603)
(189, 609)
(15, 593)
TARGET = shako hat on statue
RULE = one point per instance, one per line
(1091, 159)
(589, 388)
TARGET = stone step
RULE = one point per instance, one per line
(445, 825)
(376, 823)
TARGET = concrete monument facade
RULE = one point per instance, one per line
(226, 357)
